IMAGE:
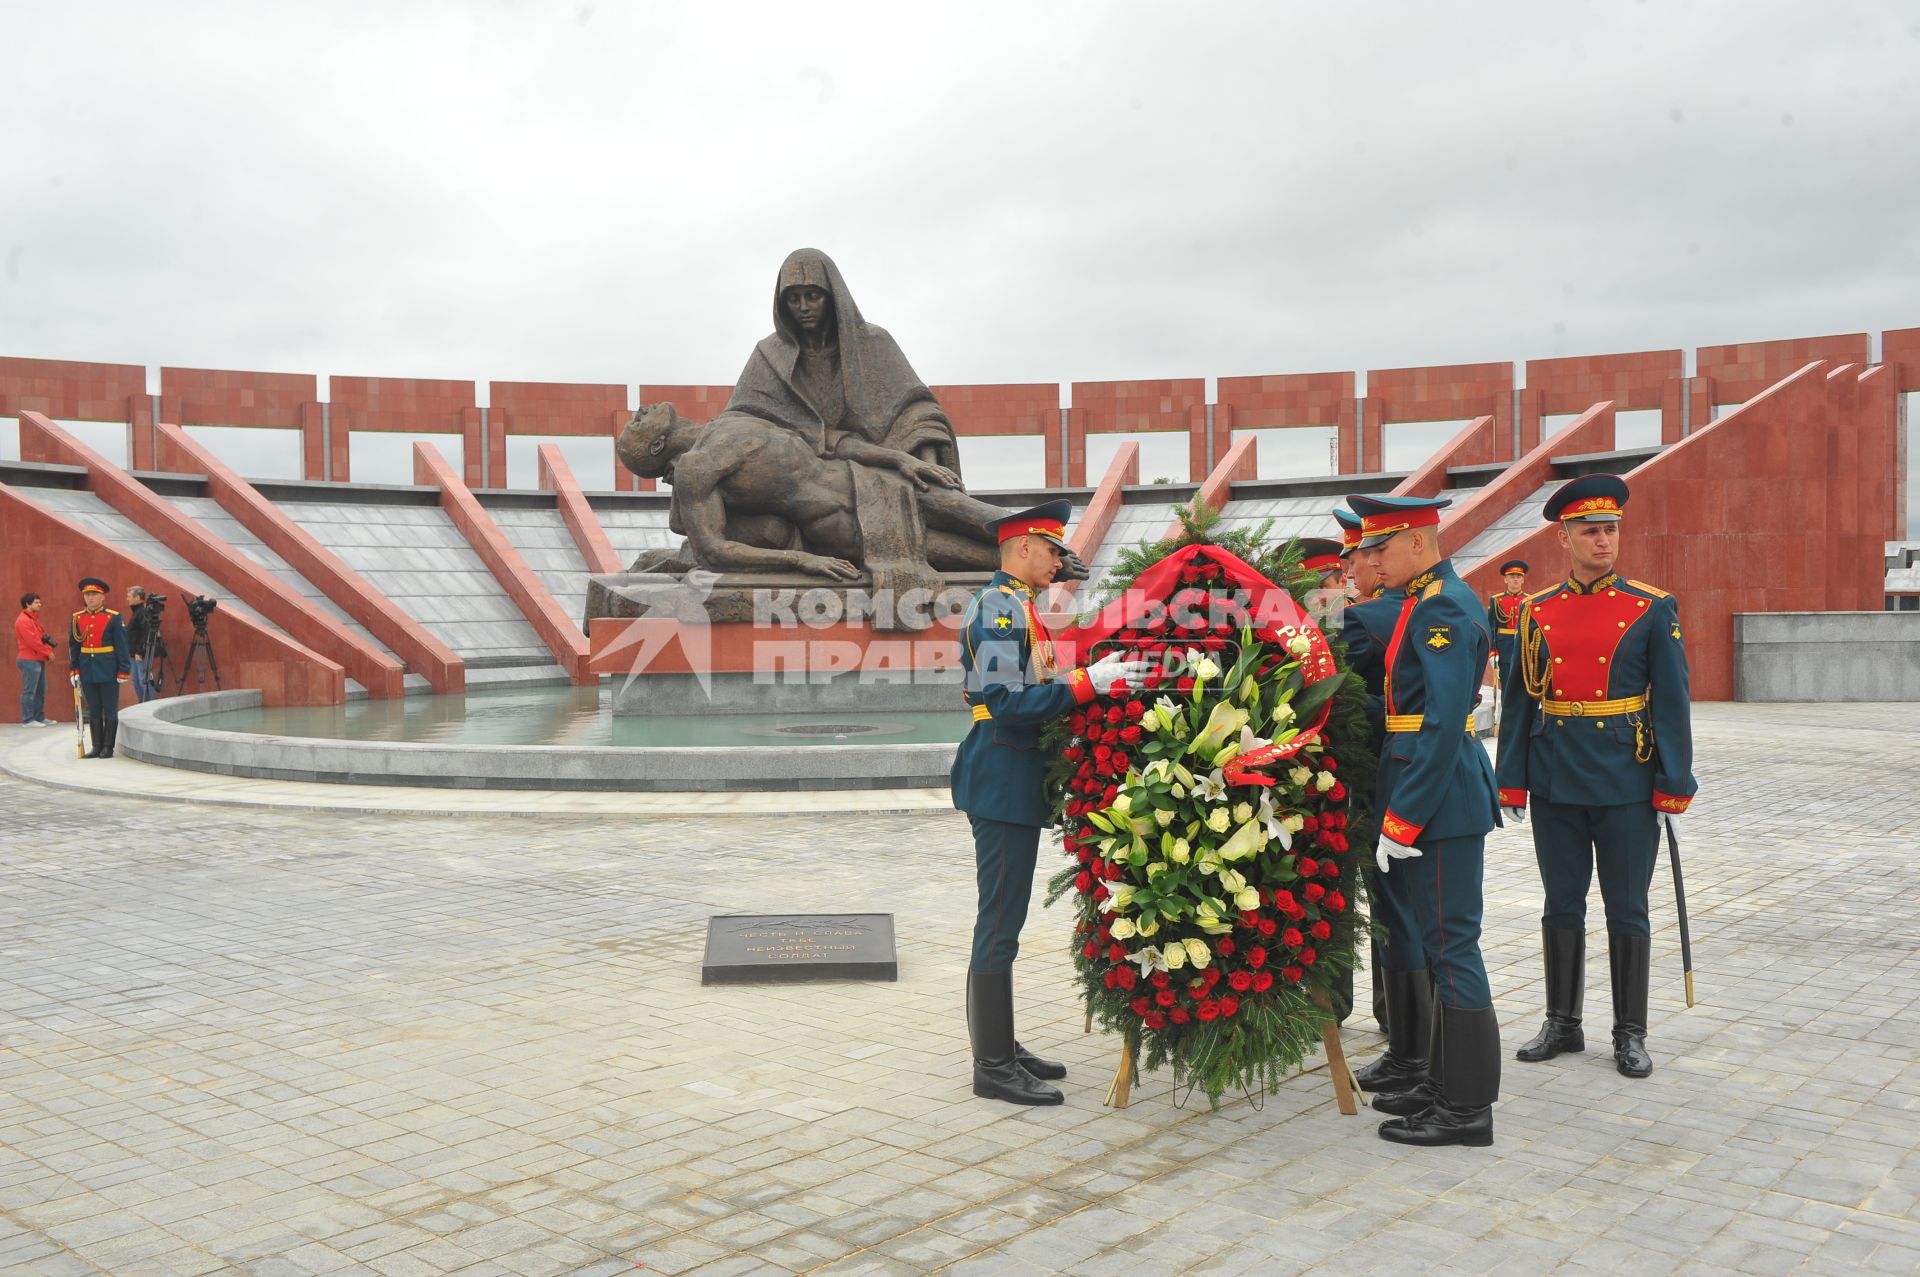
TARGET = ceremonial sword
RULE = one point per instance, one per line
(80, 721)
(1680, 908)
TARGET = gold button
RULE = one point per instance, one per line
(1558, 659)
(1603, 660)
(1600, 724)
(1612, 594)
(1623, 625)
(1546, 627)
(1643, 602)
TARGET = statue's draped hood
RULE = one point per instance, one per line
(886, 402)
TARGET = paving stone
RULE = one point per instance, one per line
(302, 1041)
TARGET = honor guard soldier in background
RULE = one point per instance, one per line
(1013, 688)
(1503, 611)
(1365, 628)
(1322, 555)
(101, 659)
(1597, 728)
(1436, 801)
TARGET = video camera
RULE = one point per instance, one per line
(199, 608)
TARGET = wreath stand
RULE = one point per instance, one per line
(1346, 1087)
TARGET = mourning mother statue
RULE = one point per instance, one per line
(831, 459)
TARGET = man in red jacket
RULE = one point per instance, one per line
(33, 649)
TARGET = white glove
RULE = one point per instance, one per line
(1670, 825)
(1116, 667)
(1518, 815)
(1387, 851)
(74, 679)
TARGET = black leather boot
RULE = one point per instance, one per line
(997, 1074)
(1566, 958)
(1409, 1029)
(113, 730)
(1630, 957)
(1047, 1070)
(1380, 999)
(1425, 1094)
(1469, 1069)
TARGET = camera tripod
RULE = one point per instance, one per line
(201, 650)
(155, 657)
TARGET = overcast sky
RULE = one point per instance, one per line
(603, 192)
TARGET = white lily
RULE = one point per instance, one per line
(1119, 896)
(1212, 787)
(1270, 821)
(1148, 959)
(1226, 720)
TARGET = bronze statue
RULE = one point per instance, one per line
(831, 458)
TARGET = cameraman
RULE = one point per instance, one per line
(141, 623)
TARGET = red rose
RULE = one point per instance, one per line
(1072, 753)
(1127, 976)
(1154, 1020)
(1154, 678)
(1229, 1005)
(1267, 927)
(1256, 957)
(1121, 761)
(1090, 948)
(1338, 794)
(1166, 997)
(1309, 824)
(1116, 953)
(1335, 902)
(1161, 979)
(1328, 869)
(1321, 930)
(1207, 1010)
(1109, 977)
(1292, 938)
(1103, 753)
(1136, 710)
(1225, 947)
(1308, 957)
(1179, 1015)
(1131, 735)
(1113, 792)
(1115, 713)
(1263, 981)
(1293, 975)
(1329, 762)
(1314, 892)
(1308, 866)
(1140, 1006)
(1083, 882)
(1240, 981)
(1284, 900)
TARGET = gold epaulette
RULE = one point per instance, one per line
(1551, 589)
(1654, 590)
(1431, 590)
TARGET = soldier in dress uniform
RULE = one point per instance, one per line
(1322, 555)
(101, 659)
(1365, 627)
(1013, 687)
(1597, 728)
(1503, 611)
(1437, 802)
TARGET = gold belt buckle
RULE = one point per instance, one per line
(1577, 709)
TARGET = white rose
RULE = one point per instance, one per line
(1323, 782)
(1218, 819)
(1176, 956)
(1206, 668)
(1197, 952)
(1245, 898)
(1299, 645)
(1180, 851)
(1123, 928)
(1164, 816)
(1283, 712)
(1243, 812)
(1300, 775)
(1294, 822)
(1149, 925)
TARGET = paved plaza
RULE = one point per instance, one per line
(279, 1041)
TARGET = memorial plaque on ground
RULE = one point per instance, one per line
(786, 947)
